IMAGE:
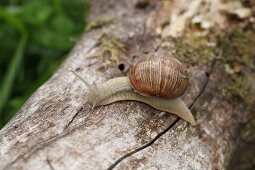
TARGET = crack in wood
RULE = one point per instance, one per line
(206, 83)
(144, 146)
(169, 127)
(49, 163)
(71, 121)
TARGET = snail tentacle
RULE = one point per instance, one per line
(93, 90)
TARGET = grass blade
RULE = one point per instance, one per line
(8, 81)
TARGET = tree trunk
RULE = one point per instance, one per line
(56, 129)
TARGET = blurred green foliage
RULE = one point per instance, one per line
(34, 37)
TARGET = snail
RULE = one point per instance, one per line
(157, 81)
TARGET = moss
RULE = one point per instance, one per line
(248, 134)
(112, 50)
(238, 46)
(238, 91)
(243, 157)
(194, 49)
(234, 46)
(236, 52)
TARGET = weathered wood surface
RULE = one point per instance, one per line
(55, 129)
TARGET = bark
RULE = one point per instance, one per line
(56, 129)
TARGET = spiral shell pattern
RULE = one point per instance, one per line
(159, 76)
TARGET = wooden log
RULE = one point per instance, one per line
(56, 129)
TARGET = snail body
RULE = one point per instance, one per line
(128, 88)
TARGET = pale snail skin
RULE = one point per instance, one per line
(120, 89)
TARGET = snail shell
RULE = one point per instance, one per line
(159, 76)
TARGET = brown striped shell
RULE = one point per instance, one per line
(159, 76)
